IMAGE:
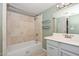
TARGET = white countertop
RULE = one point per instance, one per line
(61, 38)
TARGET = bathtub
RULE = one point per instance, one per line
(23, 49)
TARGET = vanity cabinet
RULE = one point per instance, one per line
(52, 48)
(55, 48)
(52, 51)
(70, 48)
(66, 53)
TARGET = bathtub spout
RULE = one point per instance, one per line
(36, 41)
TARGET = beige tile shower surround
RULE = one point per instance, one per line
(20, 28)
(38, 28)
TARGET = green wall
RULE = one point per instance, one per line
(0, 27)
(47, 30)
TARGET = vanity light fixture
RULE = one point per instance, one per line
(57, 6)
(62, 5)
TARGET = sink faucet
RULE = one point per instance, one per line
(68, 36)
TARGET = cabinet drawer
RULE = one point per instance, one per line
(53, 43)
(70, 48)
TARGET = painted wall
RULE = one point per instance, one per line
(20, 28)
(0, 28)
(67, 11)
(47, 23)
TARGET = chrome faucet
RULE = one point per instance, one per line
(68, 36)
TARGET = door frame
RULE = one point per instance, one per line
(4, 50)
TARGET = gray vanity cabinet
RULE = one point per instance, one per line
(55, 48)
(66, 53)
(52, 48)
(52, 51)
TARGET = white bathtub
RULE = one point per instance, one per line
(23, 49)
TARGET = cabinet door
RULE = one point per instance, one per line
(72, 48)
(66, 53)
(52, 51)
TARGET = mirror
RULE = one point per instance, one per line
(68, 24)
(61, 25)
(74, 24)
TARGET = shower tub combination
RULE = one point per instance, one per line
(24, 49)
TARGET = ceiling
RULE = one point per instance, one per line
(31, 9)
